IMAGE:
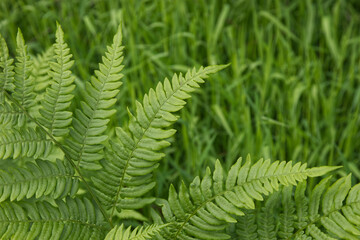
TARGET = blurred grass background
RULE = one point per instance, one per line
(292, 91)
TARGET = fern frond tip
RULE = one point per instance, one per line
(320, 171)
(118, 35)
(20, 38)
(216, 68)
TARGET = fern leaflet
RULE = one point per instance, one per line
(7, 73)
(41, 179)
(139, 233)
(266, 220)
(41, 69)
(24, 84)
(73, 219)
(26, 142)
(55, 115)
(90, 123)
(246, 226)
(287, 217)
(10, 116)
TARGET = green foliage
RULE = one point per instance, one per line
(41, 68)
(55, 105)
(24, 142)
(85, 183)
(328, 211)
(90, 122)
(333, 210)
(38, 179)
(10, 115)
(291, 92)
(7, 73)
(70, 219)
(24, 87)
(139, 233)
(217, 198)
(127, 171)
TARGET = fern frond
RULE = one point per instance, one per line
(55, 115)
(41, 179)
(6, 70)
(246, 227)
(26, 142)
(302, 204)
(90, 123)
(72, 219)
(287, 217)
(24, 84)
(302, 236)
(139, 233)
(41, 69)
(203, 211)
(333, 212)
(11, 115)
(329, 212)
(127, 172)
(266, 219)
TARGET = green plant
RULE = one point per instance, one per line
(73, 176)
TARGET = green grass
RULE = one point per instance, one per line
(292, 91)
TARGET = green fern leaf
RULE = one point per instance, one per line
(41, 69)
(26, 142)
(24, 84)
(266, 219)
(216, 199)
(139, 233)
(55, 115)
(90, 123)
(334, 211)
(41, 179)
(11, 116)
(72, 219)
(302, 236)
(301, 203)
(246, 227)
(286, 218)
(330, 212)
(127, 172)
(6, 70)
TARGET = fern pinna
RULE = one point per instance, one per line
(63, 177)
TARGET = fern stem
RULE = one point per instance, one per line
(65, 155)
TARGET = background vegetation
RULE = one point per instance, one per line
(292, 91)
